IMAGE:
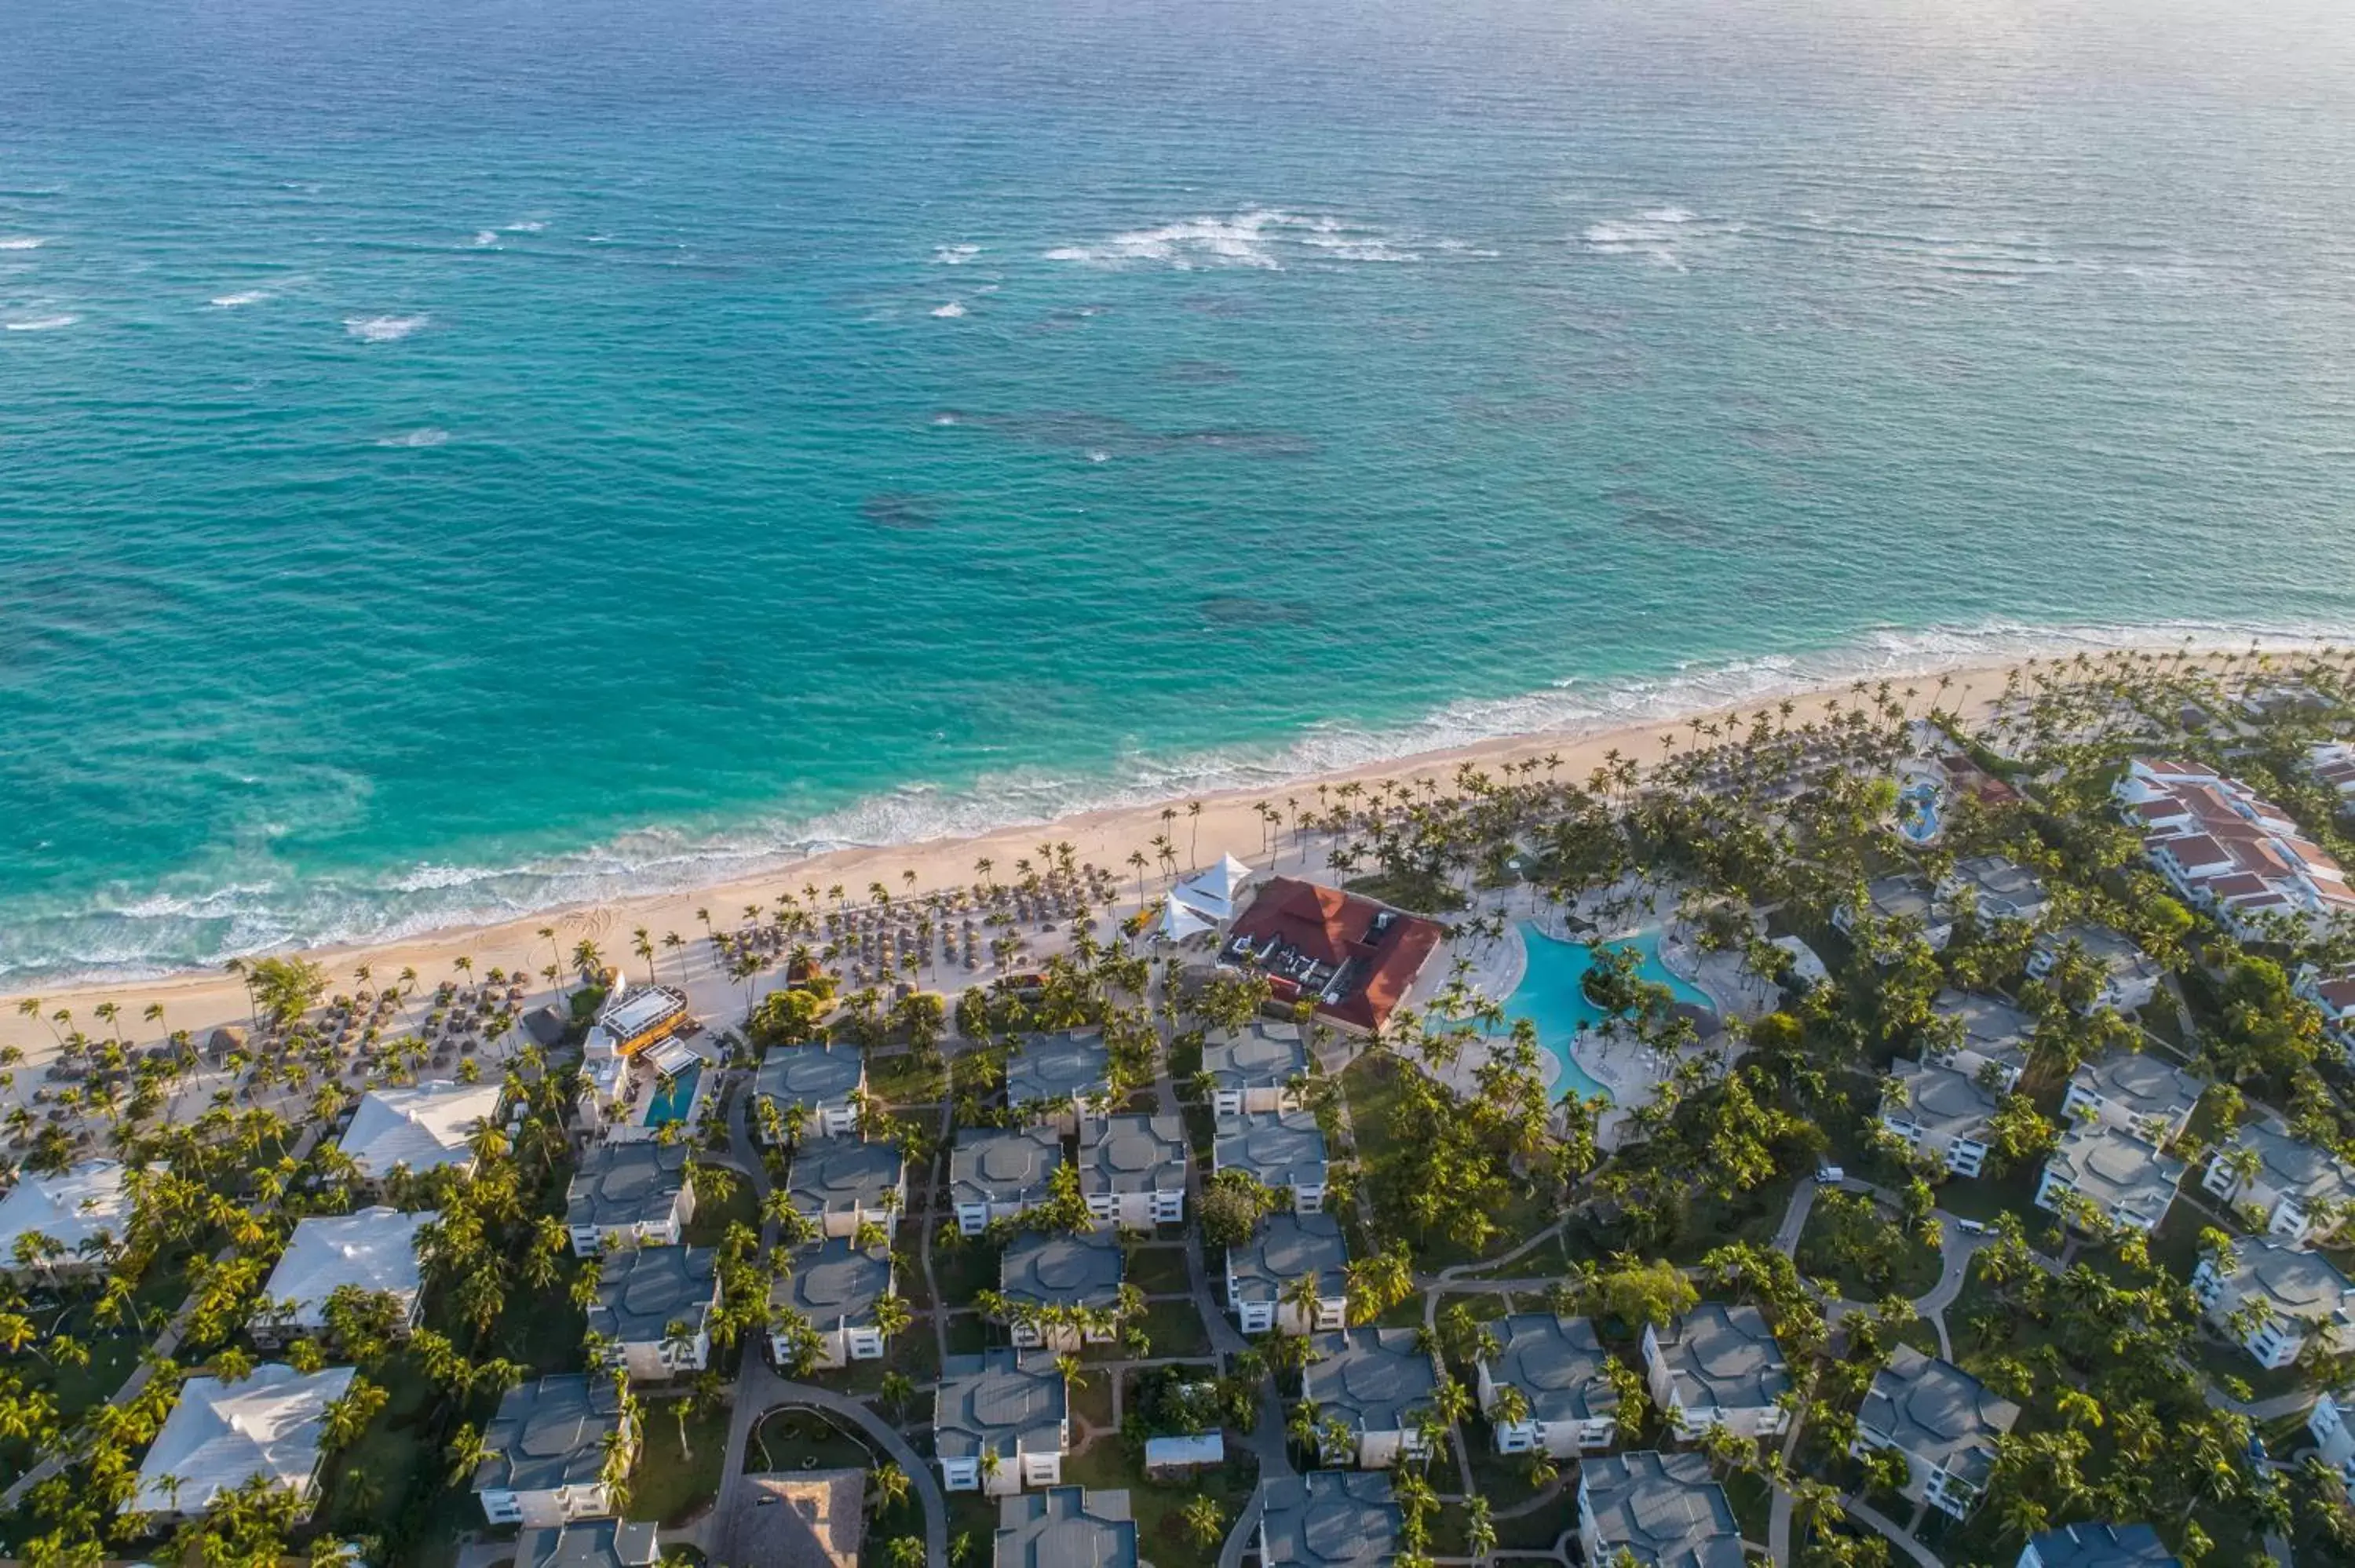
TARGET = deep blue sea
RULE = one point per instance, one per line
(462, 455)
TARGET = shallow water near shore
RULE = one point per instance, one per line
(459, 459)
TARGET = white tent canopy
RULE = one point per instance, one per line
(1179, 921)
(1211, 891)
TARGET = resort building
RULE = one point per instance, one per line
(1998, 890)
(1001, 1421)
(1064, 1527)
(70, 1223)
(1904, 902)
(1264, 1276)
(1132, 1170)
(835, 1285)
(997, 1174)
(2135, 1091)
(2229, 850)
(269, 1424)
(636, 1017)
(2274, 1297)
(1258, 1068)
(2295, 1191)
(1663, 1509)
(814, 1089)
(2332, 764)
(1982, 1036)
(1559, 1367)
(1718, 1366)
(2335, 995)
(2097, 1546)
(545, 1460)
(2123, 1180)
(2332, 1422)
(1283, 1150)
(841, 1183)
(1939, 1114)
(373, 1252)
(422, 1129)
(1801, 969)
(2123, 977)
(1354, 959)
(590, 1544)
(1058, 1274)
(635, 1098)
(1378, 1383)
(1329, 1518)
(1943, 1420)
(654, 1308)
(1061, 1079)
(628, 1194)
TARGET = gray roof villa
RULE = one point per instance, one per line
(2005, 889)
(2136, 1088)
(997, 1165)
(548, 1435)
(1280, 1148)
(1050, 1069)
(1559, 1365)
(1286, 1247)
(1062, 1268)
(1065, 1527)
(834, 1282)
(643, 1290)
(1329, 1518)
(1936, 1415)
(2128, 1180)
(844, 1176)
(1264, 1056)
(810, 1076)
(1009, 1402)
(1992, 1030)
(1131, 1154)
(619, 1186)
(2098, 1546)
(1664, 1509)
(1373, 1379)
(1721, 1358)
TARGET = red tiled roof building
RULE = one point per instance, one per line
(1356, 958)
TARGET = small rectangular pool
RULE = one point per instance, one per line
(674, 1099)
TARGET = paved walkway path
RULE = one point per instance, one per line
(760, 1390)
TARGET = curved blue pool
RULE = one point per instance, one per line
(1552, 996)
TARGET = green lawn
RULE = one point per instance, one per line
(670, 1484)
(1417, 891)
(1752, 1497)
(789, 1438)
(1158, 1270)
(900, 1081)
(714, 1215)
(1091, 1400)
(1162, 1537)
(965, 1270)
(1176, 1329)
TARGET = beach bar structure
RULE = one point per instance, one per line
(1354, 959)
(635, 1018)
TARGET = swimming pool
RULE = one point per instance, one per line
(1552, 996)
(673, 1100)
(1917, 812)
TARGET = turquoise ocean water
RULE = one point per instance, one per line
(457, 458)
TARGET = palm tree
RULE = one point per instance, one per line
(1204, 1521)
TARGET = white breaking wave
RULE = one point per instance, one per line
(40, 323)
(428, 437)
(484, 236)
(231, 301)
(1666, 236)
(951, 311)
(21, 242)
(383, 329)
(955, 255)
(528, 225)
(1258, 237)
(253, 914)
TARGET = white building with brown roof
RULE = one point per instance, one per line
(2231, 851)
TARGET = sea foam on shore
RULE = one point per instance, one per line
(169, 931)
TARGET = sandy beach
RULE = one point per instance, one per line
(1227, 824)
